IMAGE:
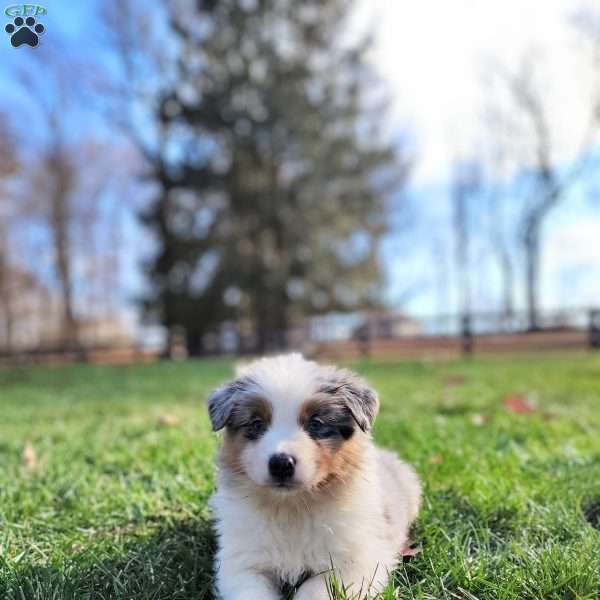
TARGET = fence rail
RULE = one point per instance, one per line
(380, 335)
(454, 336)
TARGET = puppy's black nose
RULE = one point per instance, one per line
(282, 466)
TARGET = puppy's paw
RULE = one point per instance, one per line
(313, 589)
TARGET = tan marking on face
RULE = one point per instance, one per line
(230, 456)
(235, 439)
(339, 465)
(308, 409)
(251, 407)
(335, 463)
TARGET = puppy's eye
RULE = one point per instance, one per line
(319, 428)
(255, 428)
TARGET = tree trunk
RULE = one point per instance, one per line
(271, 320)
(532, 266)
(60, 222)
(508, 284)
(262, 323)
(62, 249)
(5, 305)
(194, 343)
(280, 340)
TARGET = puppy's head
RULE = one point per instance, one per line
(291, 424)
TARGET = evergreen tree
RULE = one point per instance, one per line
(274, 179)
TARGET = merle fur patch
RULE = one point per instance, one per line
(354, 392)
(327, 420)
(223, 400)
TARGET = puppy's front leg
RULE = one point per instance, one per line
(370, 579)
(313, 589)
(244, 584)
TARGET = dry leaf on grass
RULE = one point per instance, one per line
(168, 420)
(454, 379)
(519, 404)
(478, 420)
(29, 458)
(436, 459)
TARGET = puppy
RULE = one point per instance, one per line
(303, 494)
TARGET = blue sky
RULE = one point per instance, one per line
(432, 56)
(435, 57)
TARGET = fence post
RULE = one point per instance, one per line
(466, 336)
(594, 329)
(364, 341)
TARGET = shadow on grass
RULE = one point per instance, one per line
(175, 563)
(592, 514)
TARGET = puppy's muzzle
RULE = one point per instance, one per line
(282, 467)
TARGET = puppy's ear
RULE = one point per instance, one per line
(223, 400)
(355, 393)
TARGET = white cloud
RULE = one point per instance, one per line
(433, 53)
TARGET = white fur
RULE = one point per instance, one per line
(265, 536)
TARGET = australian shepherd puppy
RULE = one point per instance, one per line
(303, 493)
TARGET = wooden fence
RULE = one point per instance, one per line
(446, 337)
(573, 330)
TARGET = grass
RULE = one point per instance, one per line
(110, 499)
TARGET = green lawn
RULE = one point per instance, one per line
(111, 502)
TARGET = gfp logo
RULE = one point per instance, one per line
(24, 29)
(24, 10)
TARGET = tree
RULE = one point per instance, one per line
(9, 166)
(62, 202)
(501, 247)
(465, 188)
(542, 181)
(498, 195)
(58, 166)
(273, 177)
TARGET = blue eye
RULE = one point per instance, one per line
(319, 428)
(255, 428)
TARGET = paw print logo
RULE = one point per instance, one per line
(24, 31)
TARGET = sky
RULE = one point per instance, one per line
(435, 57)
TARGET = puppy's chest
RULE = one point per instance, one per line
(293, 542)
